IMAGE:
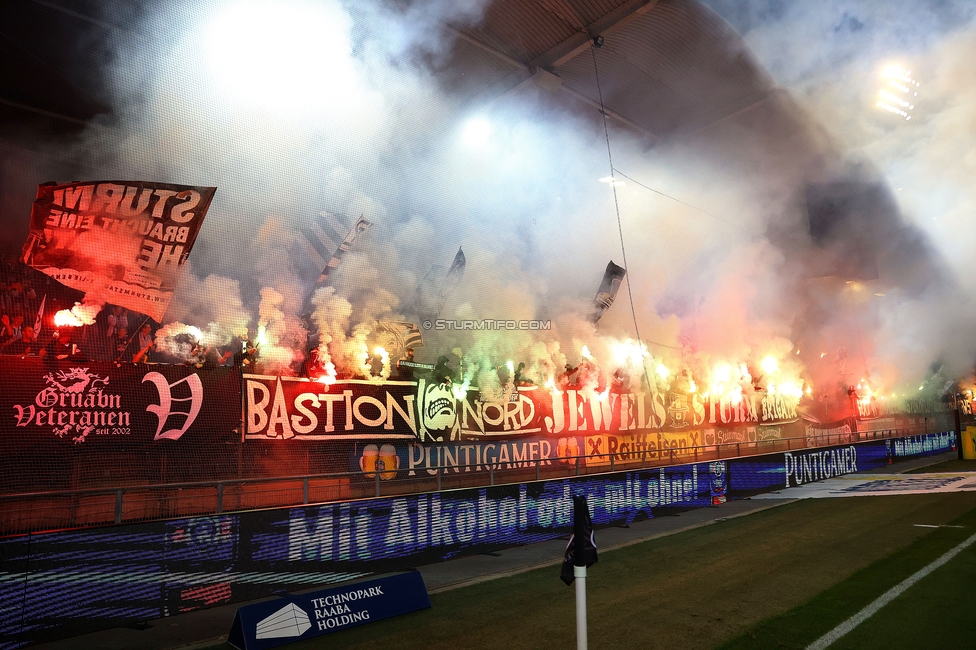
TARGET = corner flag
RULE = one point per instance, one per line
(580, 553)
(581, 549)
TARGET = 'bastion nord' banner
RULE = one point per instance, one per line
(299, 408)
(120, 242)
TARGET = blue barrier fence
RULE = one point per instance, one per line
(60, 584)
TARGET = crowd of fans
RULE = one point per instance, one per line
(30, 299)
(22, 292)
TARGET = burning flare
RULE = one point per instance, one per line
(80, 314)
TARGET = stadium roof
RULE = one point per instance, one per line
(666, 67)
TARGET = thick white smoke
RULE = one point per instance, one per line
(295, 108)
(833, 55)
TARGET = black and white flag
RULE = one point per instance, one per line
(581, 548)
(323, 234)
(404, 335)
(454, 274)
(327, 246)
(360, 227)
(437, 285)
(605, 295)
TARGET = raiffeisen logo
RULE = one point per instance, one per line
(75, 403)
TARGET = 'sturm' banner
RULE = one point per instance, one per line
(298, 408)
(120, 242)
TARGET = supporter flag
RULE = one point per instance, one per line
(325, 236)
(581, 549)
(322, 238)
(605, 295)
(40, 316)
(121, 242)
(360, 227)
(454, 274)
(435, 287)
(405, 335)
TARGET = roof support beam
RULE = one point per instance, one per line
(540, 70)
(754, 102)
(578, 43)
(608, 112)
(467, 38)
(41, 111)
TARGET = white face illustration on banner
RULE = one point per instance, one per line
(440, 411)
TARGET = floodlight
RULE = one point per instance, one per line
(477, 132)
(280, 54)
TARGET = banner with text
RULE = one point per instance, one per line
(121, 242)
(187, 564)
(304, 409)
(792, 469)
(304, 616)
(50, 409)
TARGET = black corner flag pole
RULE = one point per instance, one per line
(580, 553)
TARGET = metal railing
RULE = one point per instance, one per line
(39, 511)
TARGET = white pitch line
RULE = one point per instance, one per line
(886, 598)
(931, 526)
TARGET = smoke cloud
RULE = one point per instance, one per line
(335, 108)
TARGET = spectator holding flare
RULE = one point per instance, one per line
(197, 357)
(248, 353)
(215, 357)
(207, 356)
(145, 343)
(442, 373)
(566, 378)
(520, 379)
(59, 347)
